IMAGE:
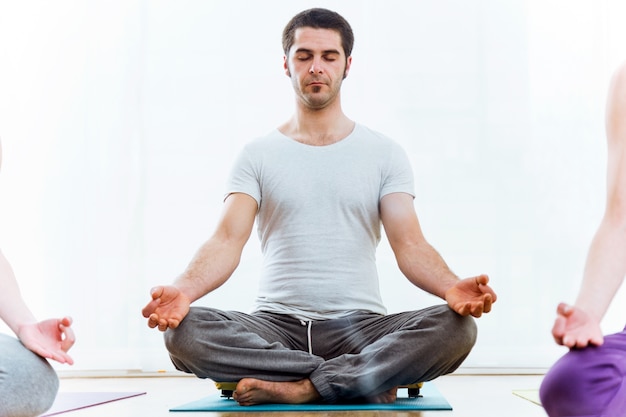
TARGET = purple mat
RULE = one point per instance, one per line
(70, 401)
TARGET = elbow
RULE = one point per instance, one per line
(615, 219)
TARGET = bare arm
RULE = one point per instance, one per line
(218, 258)
(13, 310)
(417, 259)
(422, 264)
(605, 266)
(211, 266)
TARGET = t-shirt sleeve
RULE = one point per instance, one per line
(398, 176)
(243, 177)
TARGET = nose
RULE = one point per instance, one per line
(316, 68)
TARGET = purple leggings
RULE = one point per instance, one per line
(588, 382)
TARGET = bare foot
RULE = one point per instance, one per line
(386, 397)
(251, 391)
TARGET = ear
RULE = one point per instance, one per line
(286, 66)
(348, 64)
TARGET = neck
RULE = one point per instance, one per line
(317, 127)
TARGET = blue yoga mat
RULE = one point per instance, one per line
(430, 399)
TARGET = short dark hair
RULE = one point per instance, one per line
(318, 18)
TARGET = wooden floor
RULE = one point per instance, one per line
(469, 395)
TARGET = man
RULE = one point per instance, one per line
(319, 187)
(590, 379)
(28, 384)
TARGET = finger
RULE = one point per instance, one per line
(163, 325)
(598, 341)
(482, 279)
(482, 282)
(488, 290)
(564, 309)
(148, 310)
(557, 331)
(487, 301)
(69, 339)
(156, 292)
(581, 343)
(66, 321)
(62, 357)
(68, 359)
(153, 321)
(477, 310)
(569, 341)
(463, 310)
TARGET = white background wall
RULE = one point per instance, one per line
(120, 120)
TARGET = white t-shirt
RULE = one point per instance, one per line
(319, 220)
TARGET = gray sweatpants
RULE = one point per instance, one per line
(28, 384)
(355, 357)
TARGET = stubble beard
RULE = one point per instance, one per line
(316, 99)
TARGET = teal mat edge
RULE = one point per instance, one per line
(431, 399)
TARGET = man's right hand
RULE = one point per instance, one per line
(168, 307)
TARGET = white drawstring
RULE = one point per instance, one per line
(308, 334)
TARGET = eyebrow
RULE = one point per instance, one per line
(309, 51)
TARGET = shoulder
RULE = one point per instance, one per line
(364, 131)
(262, 147)
(376, 138)
(271, 139)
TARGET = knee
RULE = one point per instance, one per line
(560, 389)
(459, 331)
(28, 384)
(44, 391)
(582, 382)
(468, 332)
(452, 335)
(446, 337)
(180, 339)
(183, 341)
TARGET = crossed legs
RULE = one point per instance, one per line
(361, 357)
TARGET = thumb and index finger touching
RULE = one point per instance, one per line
(164, 310)
(156, 294)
